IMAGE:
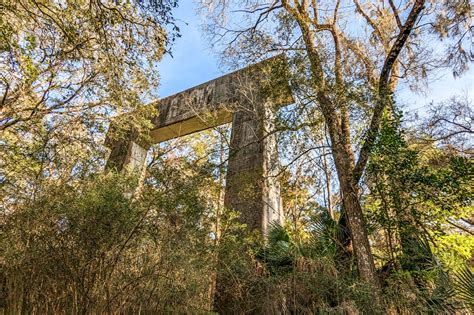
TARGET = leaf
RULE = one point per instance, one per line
(464, 285)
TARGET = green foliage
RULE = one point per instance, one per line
(464, 285)
(287, 247)
(414, 195)
(58, 58)
(280, 274)
(64, 68)
(85, 247)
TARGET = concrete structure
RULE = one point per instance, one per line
(247, 98)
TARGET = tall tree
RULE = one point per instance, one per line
(69, 56)
(350, 63)
(65, 68)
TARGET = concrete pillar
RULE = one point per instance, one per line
(252, 187)
(127, 154)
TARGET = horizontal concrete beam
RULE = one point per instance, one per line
(212, 103)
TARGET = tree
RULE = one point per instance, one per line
(65, 68)
(349, 68)
(449, 124)
(417, 191)
(65, 57)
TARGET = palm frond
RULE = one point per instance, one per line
(441, 299)
(464, 285)
(277, 233)
(279, 250)
(325, 235)
(418, 255)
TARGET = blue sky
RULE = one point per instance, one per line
(193, 63)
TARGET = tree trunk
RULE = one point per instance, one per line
(343, 158)
(337, 123)
(360, 239)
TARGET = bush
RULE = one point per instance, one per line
(87, 248)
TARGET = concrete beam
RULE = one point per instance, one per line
(213, 103)
(247, 98)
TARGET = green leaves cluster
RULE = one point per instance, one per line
(419, 196)
(65, 68)
(86, 247)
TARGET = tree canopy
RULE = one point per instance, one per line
(378, 201)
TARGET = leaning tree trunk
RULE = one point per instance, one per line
(358, 231)
(354, 215)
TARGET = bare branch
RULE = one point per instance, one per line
(395, 13)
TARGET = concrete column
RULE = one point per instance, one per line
(126, 155)
(252, 187)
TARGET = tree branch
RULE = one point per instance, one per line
(372, 23)
(395, 13)
(462, 228)
(384, 89)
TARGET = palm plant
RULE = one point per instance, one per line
(285, 247)
(441, 299)
(464, 286)
(281, 250)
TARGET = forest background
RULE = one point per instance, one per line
(72, 242)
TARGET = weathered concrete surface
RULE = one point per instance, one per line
(252, 188)
(247, 98)
(127, 154)
(212, 103)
